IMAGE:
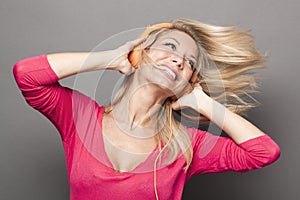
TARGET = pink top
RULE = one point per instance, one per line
(78, 119)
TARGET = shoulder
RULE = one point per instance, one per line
(196, 135)
(194, 132)
(85, 106)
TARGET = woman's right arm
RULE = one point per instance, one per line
(40, 87)
(67, 64)
(37, 78)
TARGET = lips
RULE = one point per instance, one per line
(168, 71)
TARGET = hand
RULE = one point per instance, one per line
(195, 99)
(119, 57)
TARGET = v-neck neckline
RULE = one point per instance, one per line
(138, 168)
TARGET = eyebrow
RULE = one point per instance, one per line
(192, 56)
(174, 40)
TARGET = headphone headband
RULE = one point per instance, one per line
(134, 54)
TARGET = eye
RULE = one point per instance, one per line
(191, 63)
(171, 45)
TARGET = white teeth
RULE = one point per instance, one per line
(166, 69)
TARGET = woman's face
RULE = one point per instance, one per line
(175, 55)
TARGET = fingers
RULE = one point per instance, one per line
(134, 43)
(175, 105)
(179, 104)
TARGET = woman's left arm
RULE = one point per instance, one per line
(249, 148)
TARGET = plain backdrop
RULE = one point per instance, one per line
(32, 163)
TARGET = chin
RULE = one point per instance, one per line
(172, 89)
(168, 86)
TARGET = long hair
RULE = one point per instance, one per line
(226, 59)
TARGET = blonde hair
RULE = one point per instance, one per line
(226, 56)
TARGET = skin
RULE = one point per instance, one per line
(151, 86)
(136, 113)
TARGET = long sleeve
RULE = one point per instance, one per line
(41, 89)
(220, 154)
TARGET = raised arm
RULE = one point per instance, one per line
(37, 78)
(238, 128)
(67, 64)
(249, 148)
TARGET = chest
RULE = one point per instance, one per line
(124, 149)
(90, 179)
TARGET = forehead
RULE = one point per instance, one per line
(185, 41)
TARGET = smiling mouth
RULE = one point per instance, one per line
(168, 71)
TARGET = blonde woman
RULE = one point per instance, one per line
(135, 148)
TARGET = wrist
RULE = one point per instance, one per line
(103, 59)
(205, 104)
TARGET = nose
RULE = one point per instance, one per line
(178, 60)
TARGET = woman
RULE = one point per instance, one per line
(134, 148)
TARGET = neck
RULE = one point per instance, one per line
(138, 109)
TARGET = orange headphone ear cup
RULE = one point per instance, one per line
(194, 79)
(133, 56)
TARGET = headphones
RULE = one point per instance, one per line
(133, 56)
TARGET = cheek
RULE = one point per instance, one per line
(158, 54)
(187, 74)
